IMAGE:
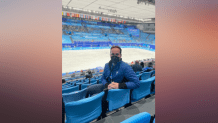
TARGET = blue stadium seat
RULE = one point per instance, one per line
(84, 86)
(86, 82)
(143, 117)
(93, 81)
(117, 98)
(146, 75)
(137, 73)
(85, 110)
(100, 81)
(142, 91)
(153, 81)
(74, 96)
(153, 72)
(71, 89)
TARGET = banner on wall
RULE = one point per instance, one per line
(105, 44)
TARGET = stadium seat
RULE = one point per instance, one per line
(93, 81)
(117, 98)
(99, 81)
(71, 89)
(143, 117)
(153, 82)
(85, 110)
(146, 75)
(84, 86)
(142, 91)
(137, 73)
(153, 73)
(74, 96)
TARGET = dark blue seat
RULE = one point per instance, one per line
(85, 110)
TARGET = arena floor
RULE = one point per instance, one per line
(76, 60)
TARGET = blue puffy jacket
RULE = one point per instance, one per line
(120, 71)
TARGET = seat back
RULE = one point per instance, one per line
(85, 110)
(71, 89)
(92, 81)
(74, 96)
(137, 73)
(84, 86)
(142, 91)
(153, 73)
(117, 98)
(146, 75)
(143, 117)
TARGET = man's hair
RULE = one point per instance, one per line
(150, 64)
(116, 47)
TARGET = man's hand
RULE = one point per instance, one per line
(113, 85)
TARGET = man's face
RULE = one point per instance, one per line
(115, 52)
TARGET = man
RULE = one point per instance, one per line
(89, 74)
(118, 74)
(142, 64)
(82, 73)
(136, 67)
(149, 67)
(73, 75)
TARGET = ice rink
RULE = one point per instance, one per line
(76, 60)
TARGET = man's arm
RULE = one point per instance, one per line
(133, 80)
(103, 78)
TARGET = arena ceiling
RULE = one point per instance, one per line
(118, 8)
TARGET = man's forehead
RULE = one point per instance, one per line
(115, 50)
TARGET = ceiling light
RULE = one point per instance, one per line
(77, 9)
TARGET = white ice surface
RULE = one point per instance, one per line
(76, 60)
